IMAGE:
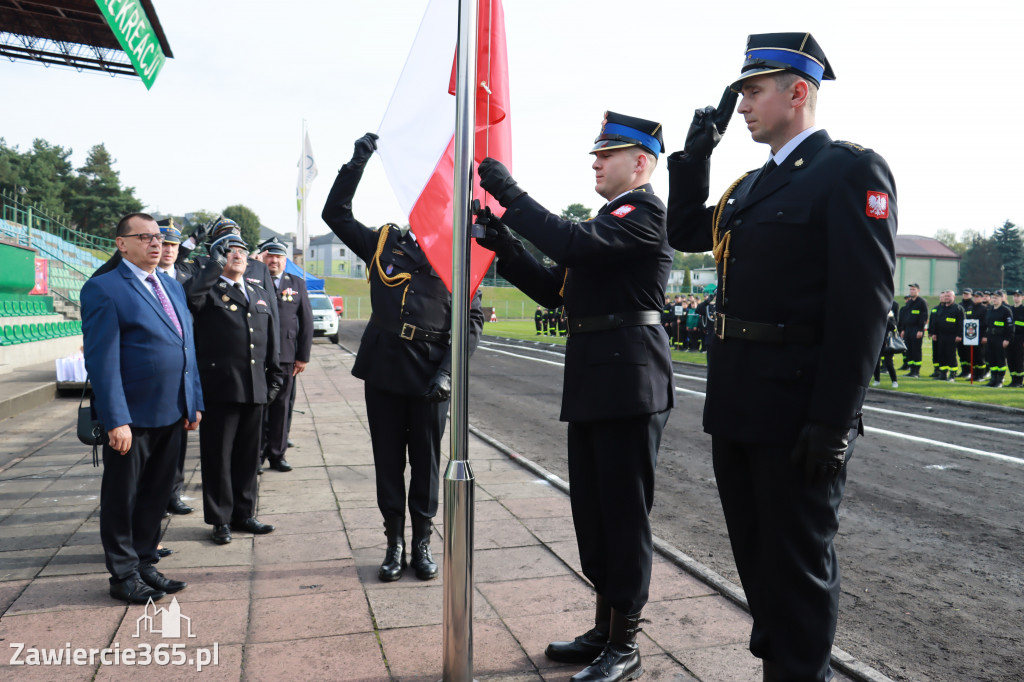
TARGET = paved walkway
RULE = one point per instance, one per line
(304, 602)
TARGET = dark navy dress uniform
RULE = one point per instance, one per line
(826, 216)
(296, 315)
(402, 348)
(618, 388)
(236, 349)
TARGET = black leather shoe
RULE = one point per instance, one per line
(251, 525)
(620, 659)
(164, 551)
(423, 561)
(221, 534)
(583, 649)
(135, 591)
(291, 443)
(394, 563)
(176, 506)
(157, 581)
(281, 465)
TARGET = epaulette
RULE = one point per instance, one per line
(850, 146)
(638, 189)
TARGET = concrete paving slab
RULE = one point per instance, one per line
(9, 592)
(204, 553)
(37, 536)
(393, 608)
(317, 577)
(728, 663)
(669, 582)
(91, 628)
(535, 596)
(536, 488)
(681, 625)
(304, 522)
(517, 563)
(285, 504)
(368, 561)
(24, 564)
(208, 584)
(569, 552)
(490, 510)
(61, 593)
(492, 534)
(366, 516)
(551, 528)
(277, 619)
(223, 622)
(530, 508)
(416, 653)
(345, 657)
(287, 549)
(77, 560)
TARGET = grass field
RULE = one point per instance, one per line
(960, 390)
(508, 303)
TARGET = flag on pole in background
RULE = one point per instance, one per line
(307, 173)
(417, 135)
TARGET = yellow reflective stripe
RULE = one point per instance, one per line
(950, 319)
(998, 324)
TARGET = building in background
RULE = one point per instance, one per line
(329, 257)
(925, 261)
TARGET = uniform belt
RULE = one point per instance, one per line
(600, 323)
(410, 332)
(734, 328)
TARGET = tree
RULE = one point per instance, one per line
(577, 212)
(980, 266)
(97, 200)
(1007, 240)
(687, 282)
(248, 221)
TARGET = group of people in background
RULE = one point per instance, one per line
(998, 344)
(689, 321)
(170, 342)
(550, 321)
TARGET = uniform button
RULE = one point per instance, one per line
(406, 313)
(779, 214)
(732, 259)
(412, 291)
(725, 300)
(251, 346)
(248, 314)
(250, 329)
(252, 362)
(738, 222)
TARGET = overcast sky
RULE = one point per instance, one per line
(930, 86)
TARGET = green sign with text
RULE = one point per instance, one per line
(130, 24)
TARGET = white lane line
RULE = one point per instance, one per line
(940, 444)
(948, 422)
(867, 429)
(489, 344)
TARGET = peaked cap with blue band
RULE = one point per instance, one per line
(798, 53)
(621, 131)
(172, 235)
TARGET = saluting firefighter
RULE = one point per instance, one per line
(405, 362)
(236, 348)
(296, 315)
(913, 319)
(946, 328)
(610, 272)
(787, 378)
(1015, 353)
(996, 337)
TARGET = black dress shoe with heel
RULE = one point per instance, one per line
(135, 591)
(158, 581)
(281, 465)
(164, 551)
(589, 645)
(176, 506)
(251, 525)
(620, 659)
(221, 534)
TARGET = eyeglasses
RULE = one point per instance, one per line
(146, 237)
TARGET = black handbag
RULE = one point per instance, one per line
(894, 344)
(90, 429)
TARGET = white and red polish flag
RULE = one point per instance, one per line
(417, 135)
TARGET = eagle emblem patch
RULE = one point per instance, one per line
(878, 205)
(623, 211)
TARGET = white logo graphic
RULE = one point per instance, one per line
(170, 621)
(878, 204)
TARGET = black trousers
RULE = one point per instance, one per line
(945, 352)
(401, 424)
(782, 532)
(611, 489)
(995, 354)
(133, 497)
(229, 453)
(179, 473)
(885, 360)
(1015, 356)
(913, 347)
(276, 418)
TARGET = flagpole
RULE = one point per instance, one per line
(302, 207)
(458, 478)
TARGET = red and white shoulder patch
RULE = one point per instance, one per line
(624, 210)
(878, 205)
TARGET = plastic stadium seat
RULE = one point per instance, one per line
(19, 333)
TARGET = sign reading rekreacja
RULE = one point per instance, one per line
(128, 20)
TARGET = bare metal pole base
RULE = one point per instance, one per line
(459, 486)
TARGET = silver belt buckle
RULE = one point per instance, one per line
(720, 326)
(408, 331)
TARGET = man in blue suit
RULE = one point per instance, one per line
(141, 361)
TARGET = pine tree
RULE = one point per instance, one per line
(1008, 243)
(98, 201)
(980, 266)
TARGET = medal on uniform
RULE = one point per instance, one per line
(225, 298)
(234, 307)
(389, 270)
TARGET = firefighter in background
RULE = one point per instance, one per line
(967, 304)
(979, 311)
(1015, 353)
(945, 327)
(996, 337)
(913, 318)
(538, 321)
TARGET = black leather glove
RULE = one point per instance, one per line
(272, 390)
(821, 452)
(499, 238)
(219, 250)
(440, 388)
(709, 125)
(364, 148)
(498, 182)
(202, 232)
